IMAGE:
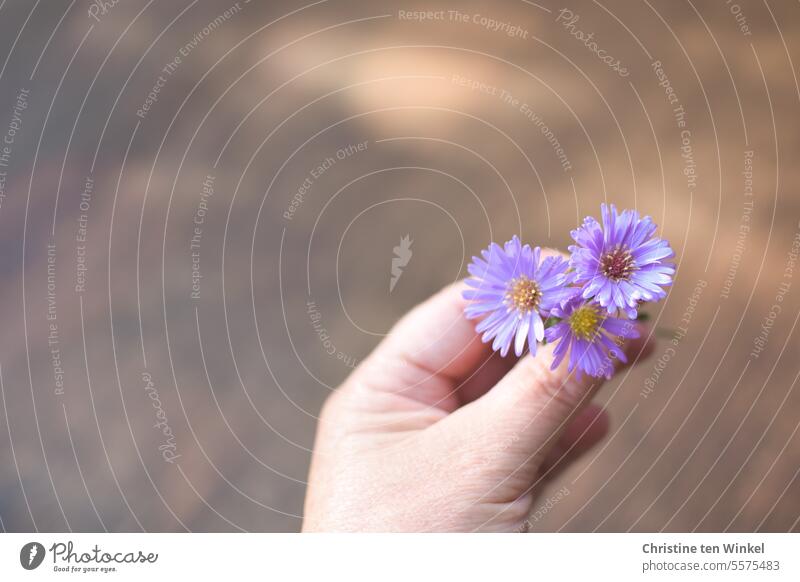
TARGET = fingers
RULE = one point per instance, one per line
(435, 356)
(531, 408)
(486, 376)
(432, 351)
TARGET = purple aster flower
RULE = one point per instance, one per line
(515, 290)
(621, 263)
(591, 335)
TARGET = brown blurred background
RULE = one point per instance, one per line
(473, 127)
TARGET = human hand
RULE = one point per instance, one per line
(435, 432)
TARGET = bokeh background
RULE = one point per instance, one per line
(133, 129)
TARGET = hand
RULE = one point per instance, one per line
(435, 432)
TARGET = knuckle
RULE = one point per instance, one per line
(557, 388)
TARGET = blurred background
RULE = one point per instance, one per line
(200, 203)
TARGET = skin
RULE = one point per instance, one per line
(435, 432)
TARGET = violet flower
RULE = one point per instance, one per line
(515, 290)
(621, 263)
(592, 337)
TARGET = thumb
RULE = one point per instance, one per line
(527, 411)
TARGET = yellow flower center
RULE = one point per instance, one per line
(585, 322)
(617, 264)
(524, 294)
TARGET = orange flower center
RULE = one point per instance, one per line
(524, 294)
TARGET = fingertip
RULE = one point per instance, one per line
(437, 335)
